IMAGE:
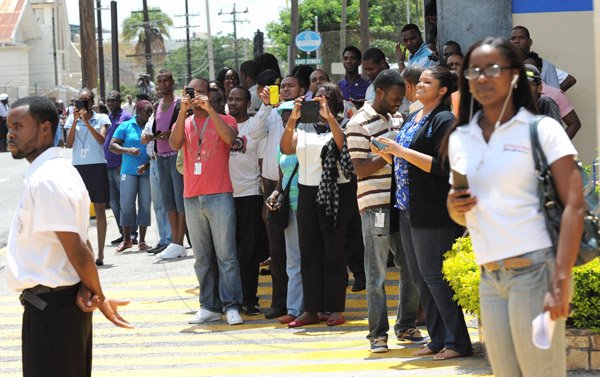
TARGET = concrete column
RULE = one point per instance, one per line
(466, 21)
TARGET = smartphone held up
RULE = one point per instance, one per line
(309, 112)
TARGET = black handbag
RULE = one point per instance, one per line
(281, 215)
(552, 208)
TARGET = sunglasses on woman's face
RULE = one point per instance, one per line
(491, 71)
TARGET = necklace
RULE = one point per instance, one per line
(164, 106)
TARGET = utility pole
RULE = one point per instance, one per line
(187, 44)
(293, 33)
(102, 88)
(211, 57)
(235, 21)
(54, 45)
(187, 27)
(87, 41)
(114, 28)
(343, 27)
(148, 41)
(364, 25)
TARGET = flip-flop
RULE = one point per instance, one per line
(123, 246)
(424, 351)
(446, 354)
(142, 246)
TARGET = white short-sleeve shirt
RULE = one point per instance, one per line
(507, 221)
(308, 150)
(55, 200)
(243, 164)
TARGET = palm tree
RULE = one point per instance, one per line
(133, 29)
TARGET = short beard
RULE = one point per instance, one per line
(27, 150)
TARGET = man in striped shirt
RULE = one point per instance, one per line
(374, 184)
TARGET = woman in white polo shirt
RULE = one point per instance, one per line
(321, 235)
(521, 273)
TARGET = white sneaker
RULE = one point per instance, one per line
(233, 317)
(203, 316)
(172, 251)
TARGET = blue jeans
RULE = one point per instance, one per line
(114, 183)
(295, 297)
(162, 220)
(425, 248)
(211, 224)
(131, 187)
(510, 300)
(378, 242)
(408, 304)
(171, 184)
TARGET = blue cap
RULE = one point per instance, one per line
(285, 106)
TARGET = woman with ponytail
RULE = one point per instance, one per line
(426, 230)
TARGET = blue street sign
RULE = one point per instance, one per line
(308, 41)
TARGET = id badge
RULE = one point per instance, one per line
(197, 168)
(123, 177)
(83, 153)
(379, 220)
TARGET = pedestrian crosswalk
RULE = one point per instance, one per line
(164, 344)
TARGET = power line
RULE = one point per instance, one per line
(235, 21)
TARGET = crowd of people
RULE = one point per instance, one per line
(360, 170)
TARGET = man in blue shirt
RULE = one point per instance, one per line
(113, 161)
(353, 86)
(419, 53)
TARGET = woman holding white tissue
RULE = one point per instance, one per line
(522, 273)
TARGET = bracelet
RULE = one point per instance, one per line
(289, 129)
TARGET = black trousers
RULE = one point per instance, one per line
(248, 226)
(58, 340)
(278, 259)
(322, 249)
(355, 246)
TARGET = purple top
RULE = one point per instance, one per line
(163, 124)
(354, 90)
(114, 160)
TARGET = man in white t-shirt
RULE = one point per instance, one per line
(49, 259)
(245, 177)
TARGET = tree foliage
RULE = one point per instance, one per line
(386, 18)
(224, 55)
(133, 28)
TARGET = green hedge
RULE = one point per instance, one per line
(462, 273)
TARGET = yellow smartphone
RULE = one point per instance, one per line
(274, 94)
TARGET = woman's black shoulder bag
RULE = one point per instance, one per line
(552, 208)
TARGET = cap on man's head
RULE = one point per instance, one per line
(3, 97)
(533, 74)
(285, 106)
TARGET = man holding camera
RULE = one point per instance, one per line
(205, 138)
(245, 177)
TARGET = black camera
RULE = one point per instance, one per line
(190, 92)
(81, 104)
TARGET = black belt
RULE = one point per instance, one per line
(30, 295)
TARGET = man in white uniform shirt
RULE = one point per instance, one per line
(269, 126)
(49, 259)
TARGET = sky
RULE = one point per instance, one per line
(260, 12)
